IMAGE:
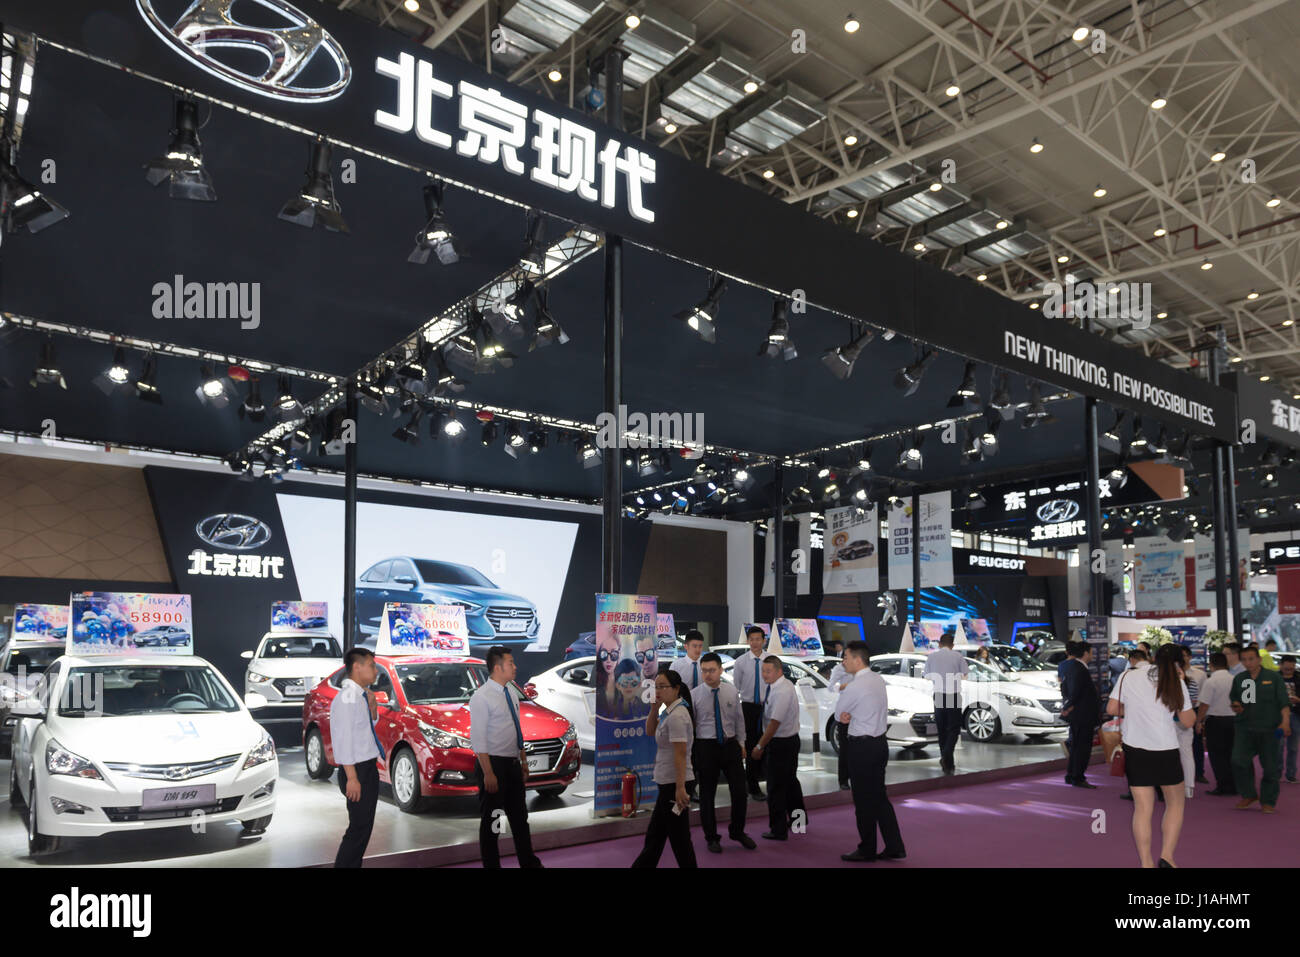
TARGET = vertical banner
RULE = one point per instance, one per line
(40, 621)
(1158, 575)
(1288, 589)
(117, 623)
(795, 637)
(803, 573)
(850, 561)
(769, 574)
(417, 629)
(1206, 579)
(626, 625)
(936, 541)
(1096, 632)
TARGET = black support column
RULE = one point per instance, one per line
(916, 557)
(1220, 510)
(778, 542)
(1097, 589)
(350, 521)
(611, 564)
(1230, 529)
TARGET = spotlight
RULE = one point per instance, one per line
(1272, 203)
(703, 316)
(452, 427)
(988, 439)
(1206, 264)
(1080, 34)
(462, 350)
(1269, 480)
(252, 408)
(533, 259)
(751, 86)
(213, 389)
(1100, 191)
(1139, 441)
(436, 237)
(952, 90)
(335, 441)
(851, 24)
(315, 202)
(840, 359)
(410, 432)
(1118, 475)
(145, 388)
(1159, 102)
(414, 370)
(21, 203)
(589, 455)
(970, 447)
(286, 406)
(966, 393)
(632, 21)
(489, 433)
(1218, 156)
(740, 476)
(546, 329)
(851, 140)
(1111, 440)
(1035, 412)
(1161, 444)
(976, 500)
(909, 454)
(908, 379)
(182, 164)
(1001, 401)
(490, 349)
(555, 76)
(647, 465)
(536, 440)
(116, 378)
(1271, 458)
(1035, 146)
(779, 343)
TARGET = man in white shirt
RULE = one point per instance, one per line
(719, 725)
(356, 750)
(689, 669)
(747, 673)
(780, 737)
(497, 739)
(946, 668)
(864, 706)
(1216, 722)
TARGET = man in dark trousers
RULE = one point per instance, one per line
(1217, 721)
(781, 737)
(357, 751)
(947, 668)
(497, 739)
(1081, 709)
(1259, 699)
(747, 674)
(718, 728)
(864, 706)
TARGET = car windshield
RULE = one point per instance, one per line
(441, 682)
(982, 672)
(118, 690)
(1013, 659)
(299, 646)
(447, 573)
(33, 659)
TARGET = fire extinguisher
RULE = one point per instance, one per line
(631, 792)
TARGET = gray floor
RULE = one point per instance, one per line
(310, 816)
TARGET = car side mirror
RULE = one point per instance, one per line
(254, 700)
(530, 691)
(246, 655)
(381, 697)
(578, 676)
(404, 580)
(804, 682)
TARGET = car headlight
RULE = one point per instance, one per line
(265, 751)
(1018, 701)
(59, 760)
(442, 739)
(469, 606)
(254, 676)
(569, 735)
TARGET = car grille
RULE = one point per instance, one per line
(1049, 705)
(172, 772)
(282, 686)
(551, 747)
(919, 722)
(123, 815)
(499, 613)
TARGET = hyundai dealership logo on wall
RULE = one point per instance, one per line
(207, 26)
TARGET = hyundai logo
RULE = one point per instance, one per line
(1058, 510)
(207, 26)
(176, 772)
(233, 531)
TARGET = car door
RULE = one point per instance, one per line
(370, 601)
(575, 693)
(389, 726)
(26, 728)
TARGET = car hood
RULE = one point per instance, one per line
(906, 698)
(1039, 679)
(480, 594)
(294, 667)
(536, 721)
(158, 738)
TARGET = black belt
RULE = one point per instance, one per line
(715, 741)
(864, 737)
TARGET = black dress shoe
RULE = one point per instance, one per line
(715, 847)
(1202, 779)
(893, 855)
(857, 856)
(757, 796)
(746, 842)
(1220, 792)
(769, 836)
(1083, 783)
(1164, 863)
(846, 787)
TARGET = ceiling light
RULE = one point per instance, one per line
(315, 202)
(1100, 191)
(412, 6)
(935, 187)
(908, 378)
(919, 247)
(1159, 103)
(144, 386)
(213, 389)
(751, 86)
(670, 127)
(1263, 378)
(1001, 224)
(768, 173)
(1080, 34)
(1062, 258)
(1218, 156)
(1252, 295)
(286, 406)
(1035, 146)
(533, 259)
(1159, 231)
(436, 235)
(840, 359)
(778, 343)
(1162, 315)
(555, 76)
(953, 89)
(966, 393)
(632, 21)
(703, 316)
(850, 140)
(22, 203)
(1206, 264)
(851, 24)
(182, 164)
(1235, 359)
(852, 214)
(981, 277)
(1273, 201)
(1034, 304)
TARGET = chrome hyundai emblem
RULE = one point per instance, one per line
(208, 26)
(1058, 510)
(233, 531)
(176, 772)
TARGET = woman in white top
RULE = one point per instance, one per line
(1153, 703)
(674, 733)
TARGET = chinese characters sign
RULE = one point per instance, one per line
(936, 541)
(626, 631)
(850, 561)
(116, 623)
(235, 566)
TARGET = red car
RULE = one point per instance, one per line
(423, 726)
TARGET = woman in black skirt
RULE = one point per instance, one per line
(1153, 702)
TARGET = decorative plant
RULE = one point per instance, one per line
(1216, 639)
(1155, 636)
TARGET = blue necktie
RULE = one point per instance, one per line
(374, 734)
(717, 716)
(757, 675)
(695, 675)
(519, 732)
(766, 695)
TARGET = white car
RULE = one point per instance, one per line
(22, 662)
(911, 712)
(285, 667)
(993, 704)
(110, 744)
(1016, 664)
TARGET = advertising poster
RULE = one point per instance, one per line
(299, 616)
(767, 631)
(666, 638)
(795, 637)
(626, 627)
(925, 639)
(120, 623)
(1193, 638)
(1288, 590)
(1158, 575)
(40, 621)
(1096, 632)
(936, 541)
(850, 559)
(977, 631)
(1206, 579)
(409, 629)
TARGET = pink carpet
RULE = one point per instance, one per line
(1037, 822)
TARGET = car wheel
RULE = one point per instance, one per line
(983, 723)
(318, 769)
(15, 793)
(37, 843)
(831, 737)
(405, 777)
(257, 825)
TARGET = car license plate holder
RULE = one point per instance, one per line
(513, 625)
(931, 729)
(296, 687)
(159, 799)
(539, 762)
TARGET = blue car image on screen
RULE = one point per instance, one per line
(491, 615)
(162, 636)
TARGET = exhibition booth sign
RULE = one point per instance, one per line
(40, 622)
(119, 623)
